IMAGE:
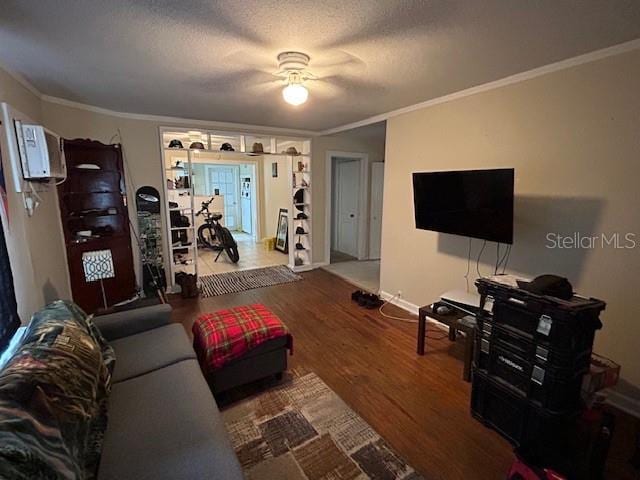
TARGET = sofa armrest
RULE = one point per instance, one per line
(123, 324)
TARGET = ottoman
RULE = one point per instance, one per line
(240, 345)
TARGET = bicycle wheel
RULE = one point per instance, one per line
(230, 245)
(207, 236)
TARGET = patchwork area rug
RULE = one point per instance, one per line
(302, 430)
(234, 282)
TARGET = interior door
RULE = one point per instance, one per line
(348, 193)
(224, 178)
(375, 219)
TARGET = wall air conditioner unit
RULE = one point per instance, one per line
(41, 153)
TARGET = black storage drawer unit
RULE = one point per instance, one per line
(541, 352)
(556, 389)
(568, 332)
(564, 324)
(521, 422)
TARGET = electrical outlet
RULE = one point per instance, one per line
(399, 294)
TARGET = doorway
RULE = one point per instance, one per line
(223, 180)
(346, 209)
(354, 218)
(242, 193)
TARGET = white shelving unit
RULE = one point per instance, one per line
(301, 184)
(242, 144)
(183, 253)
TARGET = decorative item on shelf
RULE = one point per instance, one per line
(300, 166)
(304, 183)
(291, 151)
(300, 231)
(182, 182)
(170, 184)
(98, 266)
(302, 216)
(282, 231)
(196, 146)
(274, 169)
(178, 166)
(298, 261)
(299, 246)
(298, 199)
(257, 147)
(175, 143)
(227, 147)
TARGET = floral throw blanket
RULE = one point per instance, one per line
(53, 398)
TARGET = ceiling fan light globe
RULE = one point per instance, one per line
(295, 94)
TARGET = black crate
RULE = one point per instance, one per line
(518, 420)
(555, 389)
(526, 346)
(564, 324)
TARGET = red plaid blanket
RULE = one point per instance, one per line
(225, 335)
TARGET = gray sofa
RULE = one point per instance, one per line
(163, 420)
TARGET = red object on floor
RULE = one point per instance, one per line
(521, 471)
(225, 335)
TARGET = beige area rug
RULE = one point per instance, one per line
(302, 430)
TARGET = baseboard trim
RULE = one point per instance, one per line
(306, 268)
(624, 402)
(409, 307)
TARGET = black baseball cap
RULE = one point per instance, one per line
(548, 284)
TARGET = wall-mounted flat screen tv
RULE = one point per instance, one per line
(472, 203)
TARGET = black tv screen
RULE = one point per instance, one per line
(472, 203)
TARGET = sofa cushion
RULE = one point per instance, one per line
(53, 396)
(148, 351)
(166, 425)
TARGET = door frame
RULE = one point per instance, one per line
(363, 201)
(257, 188)
(371, 166)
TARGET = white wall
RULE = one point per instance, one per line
(573, 137)
(35, 244)
(276, 193)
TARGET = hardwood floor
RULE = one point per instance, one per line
(420, 405)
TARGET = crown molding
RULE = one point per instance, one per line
(162, 119)
(516, 78)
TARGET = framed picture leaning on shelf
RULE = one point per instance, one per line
(282, 231)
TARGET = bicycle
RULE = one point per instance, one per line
(214, 236)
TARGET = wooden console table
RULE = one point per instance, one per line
(454, 321)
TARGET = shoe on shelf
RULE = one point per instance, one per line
(300, 231)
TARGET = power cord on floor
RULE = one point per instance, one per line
(406, 320)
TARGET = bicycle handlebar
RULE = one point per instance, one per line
(205, 206)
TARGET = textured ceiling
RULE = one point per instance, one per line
(213, 60)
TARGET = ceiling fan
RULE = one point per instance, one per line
(327, 76)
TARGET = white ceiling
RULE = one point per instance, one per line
(212, 60)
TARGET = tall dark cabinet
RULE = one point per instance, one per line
(93, 206)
